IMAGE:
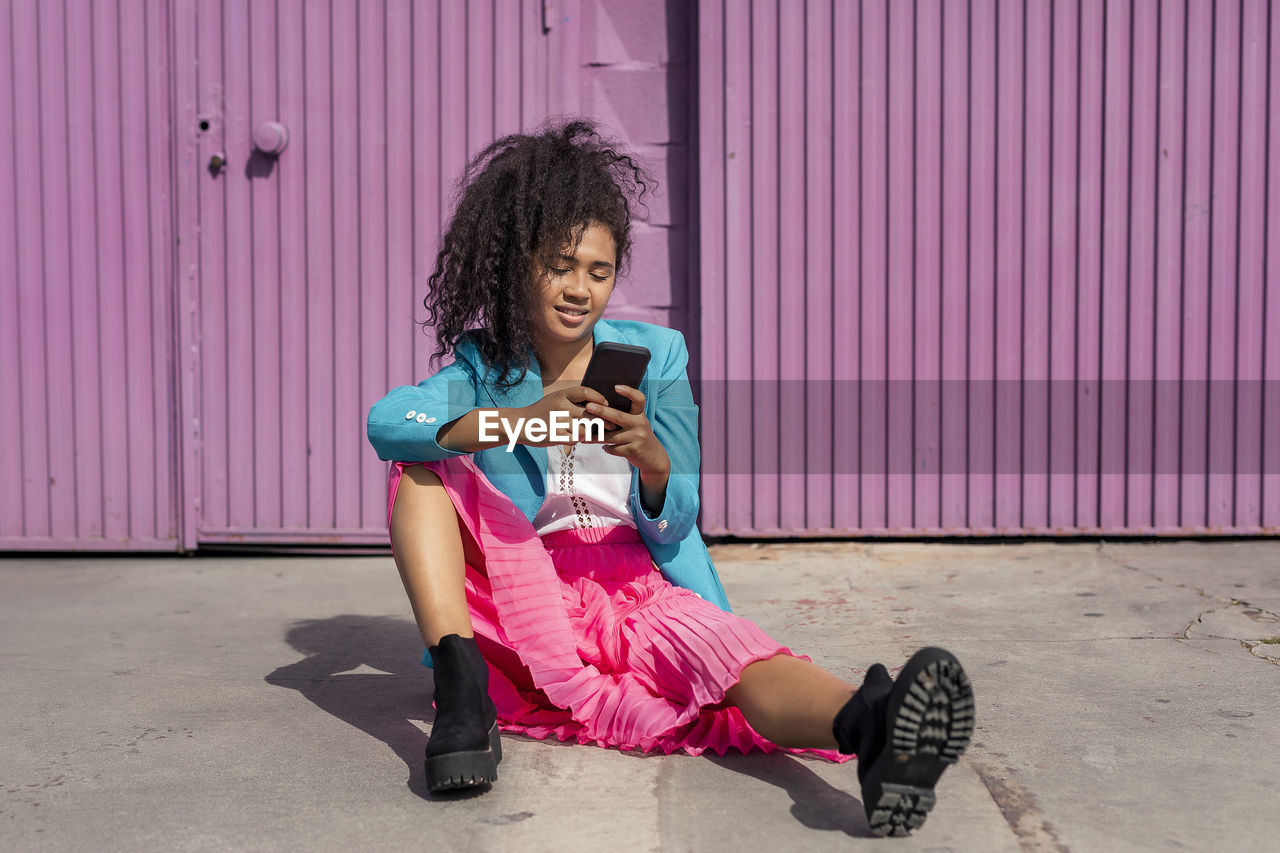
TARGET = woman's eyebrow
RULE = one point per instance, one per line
(574, 260)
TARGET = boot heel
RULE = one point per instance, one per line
(461, 770)
(495, 742)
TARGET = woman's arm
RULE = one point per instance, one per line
(438, 417)
(405, 425)
(674, 417)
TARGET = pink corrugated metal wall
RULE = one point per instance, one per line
(990, 267)
(86, 260)
(1003, 266)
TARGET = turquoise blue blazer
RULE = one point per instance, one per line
(398, 431)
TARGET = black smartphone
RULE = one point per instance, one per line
(616, 364)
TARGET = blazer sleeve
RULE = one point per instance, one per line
(674, 417)
(403, 425)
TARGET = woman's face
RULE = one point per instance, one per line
(575, 289)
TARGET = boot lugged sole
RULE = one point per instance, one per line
(930, 719)
(465, 769)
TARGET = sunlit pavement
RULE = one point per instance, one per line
(1124, 702)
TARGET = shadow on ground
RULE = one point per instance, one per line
(815, 803)
(380, 703)
(394, 689)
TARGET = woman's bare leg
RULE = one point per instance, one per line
(427, 541)
(791, 701)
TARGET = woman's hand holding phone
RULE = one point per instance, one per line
(633, 438)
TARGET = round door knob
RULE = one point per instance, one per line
(270, 137)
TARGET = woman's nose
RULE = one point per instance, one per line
(577, 285)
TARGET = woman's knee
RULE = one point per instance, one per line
(426, 501)
(419, 491)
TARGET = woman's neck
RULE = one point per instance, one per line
(561, 360)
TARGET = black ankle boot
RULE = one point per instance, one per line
(905, 734)
(464, 748)
(859, 727)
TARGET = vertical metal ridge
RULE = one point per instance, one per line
(776, 165)
(20, 361)
(46, 379)
(1128, 278)
(333, 270)
(833, 100)
(1266, 265)
(942, 230)
(1235, 371)
(1076, 264)
(915, 233)
(888, 258)
(277, 191)
(1049, 211)
(306, 261)
(124, 266)
(359, 232)
(225, 250)
(1182, 241)
(1102, 279)
(66, 165)
(1022, 298)
(1155, 261)
(386, 216)
(968, 252)
(1208, 349)
(155, 335)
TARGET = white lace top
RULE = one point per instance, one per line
(586, 487)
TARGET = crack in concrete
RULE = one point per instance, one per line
(1255, 647)
(1249, 645)
(1018, 806)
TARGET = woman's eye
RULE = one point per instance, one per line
(558, 271)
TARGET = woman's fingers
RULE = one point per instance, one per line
(622, 419)
(632, 394)
(583, 394)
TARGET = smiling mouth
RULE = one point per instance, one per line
(572, 312)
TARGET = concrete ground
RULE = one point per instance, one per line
(1124, 702)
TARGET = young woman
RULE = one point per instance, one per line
(562, 588)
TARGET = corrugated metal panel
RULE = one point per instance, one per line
(989, 268)
(307, 271)
(631, 69)
(86, 333)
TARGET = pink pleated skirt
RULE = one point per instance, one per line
(586, 640)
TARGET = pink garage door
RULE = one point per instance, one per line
(306, 269)
(304, 274)
(990, 268)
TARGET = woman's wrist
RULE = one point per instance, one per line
(653, 489)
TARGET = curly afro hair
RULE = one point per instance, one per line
(522, 198)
